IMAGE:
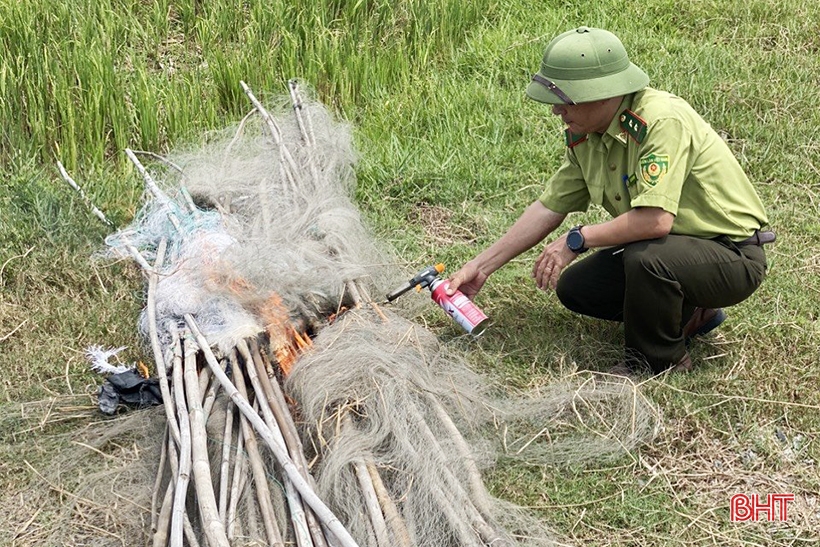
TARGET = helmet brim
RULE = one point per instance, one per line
(587, 90)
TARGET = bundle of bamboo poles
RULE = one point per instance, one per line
(230, 425)
(257, 420)
(262, 414)
(425, 486)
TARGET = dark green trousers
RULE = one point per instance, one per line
(653, 286)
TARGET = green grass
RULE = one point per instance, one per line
(451, 153)
(89, 79)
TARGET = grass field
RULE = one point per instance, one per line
(451, 153)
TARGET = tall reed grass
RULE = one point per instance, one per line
(86, 79)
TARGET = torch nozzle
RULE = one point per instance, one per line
(420, 280)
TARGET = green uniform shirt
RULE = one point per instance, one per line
(658, 152)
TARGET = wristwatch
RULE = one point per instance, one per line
(575, 240)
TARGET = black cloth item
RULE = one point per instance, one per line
(128, 388)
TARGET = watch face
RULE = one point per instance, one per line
(575, 241)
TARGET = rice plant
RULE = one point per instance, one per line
(90, 78)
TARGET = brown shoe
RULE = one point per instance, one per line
(703, 321)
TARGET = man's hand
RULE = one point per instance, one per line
(469, 279)
(551, 262)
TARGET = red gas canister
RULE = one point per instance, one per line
(459, 307)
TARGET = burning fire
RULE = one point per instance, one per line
(286, 341)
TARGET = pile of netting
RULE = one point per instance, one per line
(382, 397)
(296, 410)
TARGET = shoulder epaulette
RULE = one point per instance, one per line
(574, 139)
(633, 124)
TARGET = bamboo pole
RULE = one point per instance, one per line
(478, 492)
(260, 477)
(276, 133)
(184, 469)
(186, 196)
(475, 532)
(160, 536)
(466, 535)
(477, 520)
(158, 480)
(256, 384)
(280, 412)
(211, 524)
(189, 201)
(391, 513)
(305, 127)
(355, 294)
(210, 396)
(298, 516)
(288, 164)
(305, 123)
(237, 482)
(227, 437)
(159, 359)
(150, 184)
(159, 158)
(135, 254)
(371, 502)
(297, 511)
(156, 191)
(162, 521)
(279, 405)
(324, 514)
(97, 213)
(187, 528)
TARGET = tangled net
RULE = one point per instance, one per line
(255, 244)
(385, 392)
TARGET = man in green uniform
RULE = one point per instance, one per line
(687, 230)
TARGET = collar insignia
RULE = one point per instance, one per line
(633, 124)
(574, 139)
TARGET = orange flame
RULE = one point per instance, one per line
(285, 341)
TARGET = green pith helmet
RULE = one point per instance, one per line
(584, 65)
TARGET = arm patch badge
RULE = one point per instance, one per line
(653, 168)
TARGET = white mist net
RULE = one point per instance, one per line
(265, 245)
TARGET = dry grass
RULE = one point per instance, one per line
(442, 226)
(83, 481)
